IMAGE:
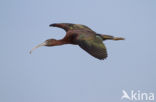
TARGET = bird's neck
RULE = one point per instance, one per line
(60, 42)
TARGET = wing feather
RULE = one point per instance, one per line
(71, 26)
(93, 46)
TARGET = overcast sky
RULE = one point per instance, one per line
(67, 73)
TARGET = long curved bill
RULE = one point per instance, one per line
(42, 44)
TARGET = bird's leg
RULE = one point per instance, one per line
(118, 38)
(109, 37)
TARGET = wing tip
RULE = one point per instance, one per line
(104, 58)
(53, 25)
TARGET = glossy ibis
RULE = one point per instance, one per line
(83, 36)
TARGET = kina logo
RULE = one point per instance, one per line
(137, 96)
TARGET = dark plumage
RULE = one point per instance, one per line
(83, 36)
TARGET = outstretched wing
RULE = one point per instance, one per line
(93, 45)
(70, 26)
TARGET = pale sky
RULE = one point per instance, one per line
(67, 73)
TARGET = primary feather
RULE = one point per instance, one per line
(91, 43)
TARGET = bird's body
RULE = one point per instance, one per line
(83, 36)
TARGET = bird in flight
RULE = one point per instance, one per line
(81, 35)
